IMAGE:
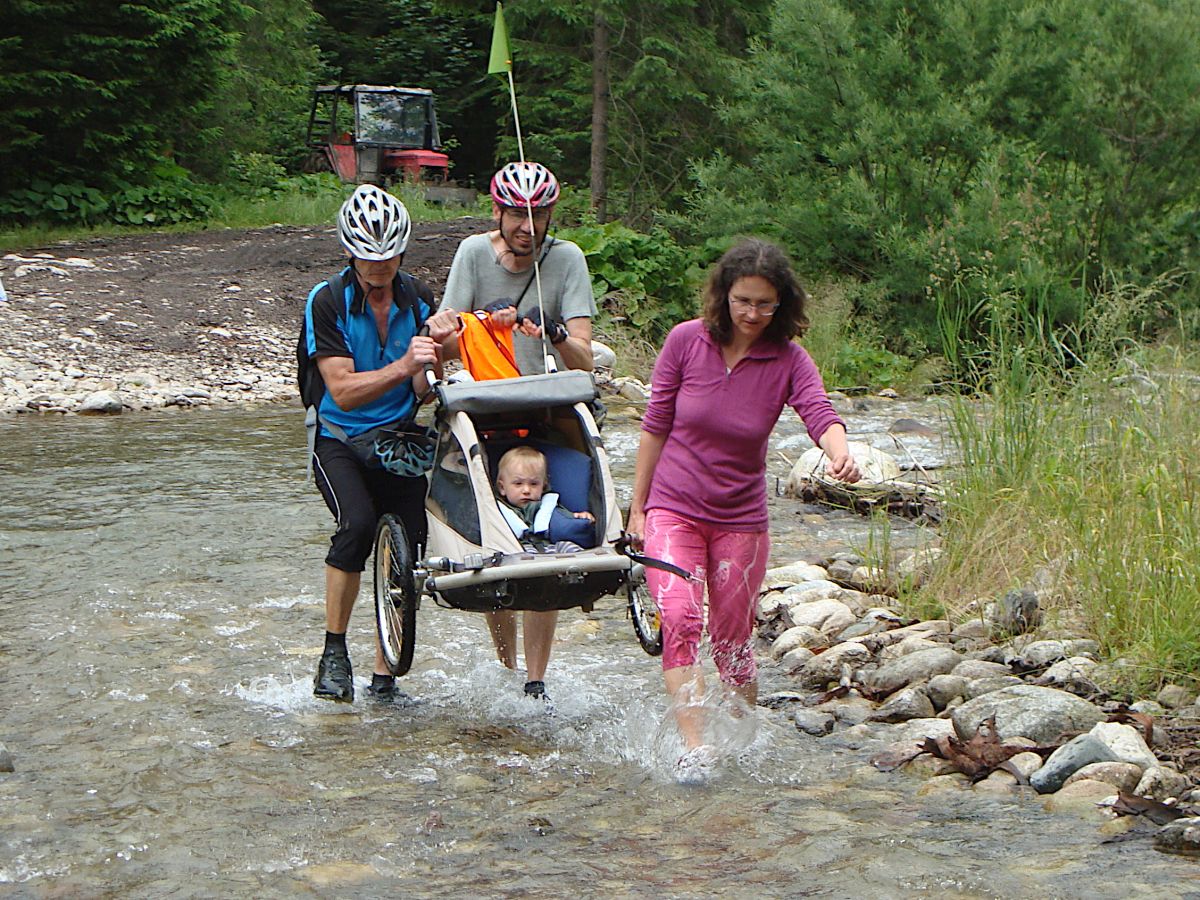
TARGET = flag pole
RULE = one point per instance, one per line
(512, 92)
(500, 61)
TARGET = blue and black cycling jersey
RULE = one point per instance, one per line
(345, 326)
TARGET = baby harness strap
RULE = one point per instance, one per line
(541, 519)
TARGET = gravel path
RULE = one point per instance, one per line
(208, 318)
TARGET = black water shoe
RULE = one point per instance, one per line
(383, 689)
(335, 678)
(537, 689)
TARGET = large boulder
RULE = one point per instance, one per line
(919, 666)
(876, 466)
(1038, 713)
(826, 667)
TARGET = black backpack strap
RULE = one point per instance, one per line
(409, 286)
(312, 377)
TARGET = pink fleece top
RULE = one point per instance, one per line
(714, 461)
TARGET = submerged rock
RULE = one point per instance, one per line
(1180, 836)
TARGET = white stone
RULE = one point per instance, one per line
(807, 591)
(603, 356)
(1161, 783)
(101, 403)
(799, 636)
(828, 616)
(1126, 743)
(794, 573)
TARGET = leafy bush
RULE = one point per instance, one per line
(645, 279)
(257, 174)
(71, 204)
(169, 197)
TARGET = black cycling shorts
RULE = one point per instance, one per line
(358, 496)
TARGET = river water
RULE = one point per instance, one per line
(160, 621)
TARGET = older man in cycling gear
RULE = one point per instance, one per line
(365, 342)
(499, 265)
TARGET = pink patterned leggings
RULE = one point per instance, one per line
(732, 565)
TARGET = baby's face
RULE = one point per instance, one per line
(521, 484)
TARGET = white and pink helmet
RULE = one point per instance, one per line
(521, 184)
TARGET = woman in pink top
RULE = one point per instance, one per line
(699, 493)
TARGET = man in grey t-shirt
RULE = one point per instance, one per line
(497, 266)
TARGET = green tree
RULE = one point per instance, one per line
(948, 151)
(95, 92)
(665, 66)
(263, 101)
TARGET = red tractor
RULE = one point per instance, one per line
(369, 133)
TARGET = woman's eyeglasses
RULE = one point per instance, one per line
(745, 306)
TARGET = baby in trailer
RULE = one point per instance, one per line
(540, 522)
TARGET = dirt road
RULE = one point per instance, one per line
(211, 313)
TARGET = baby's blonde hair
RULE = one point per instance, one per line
(523, 454)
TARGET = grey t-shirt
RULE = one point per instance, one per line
(477, 278)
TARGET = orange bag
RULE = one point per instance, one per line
(486, 351)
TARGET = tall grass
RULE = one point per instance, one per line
(1077, 476)
(297, 202)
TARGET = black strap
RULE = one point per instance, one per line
(549, 243)
(414, 300)
(622, 545)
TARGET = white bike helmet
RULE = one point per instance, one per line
(373, 224)
(521, 184)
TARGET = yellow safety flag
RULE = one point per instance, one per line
(500, 61)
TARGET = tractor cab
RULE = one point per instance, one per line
(370, 133)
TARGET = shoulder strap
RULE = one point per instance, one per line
(338, 286)
(313, 421)
(515, 522)
(546, 507)
(409, 284)
(550, 242)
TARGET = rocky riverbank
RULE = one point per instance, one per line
(985, 705)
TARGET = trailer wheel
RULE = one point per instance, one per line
(647, 623)
(395, 595)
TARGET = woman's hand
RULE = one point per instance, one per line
(843, 467)
(635, 528)
(841, 464)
